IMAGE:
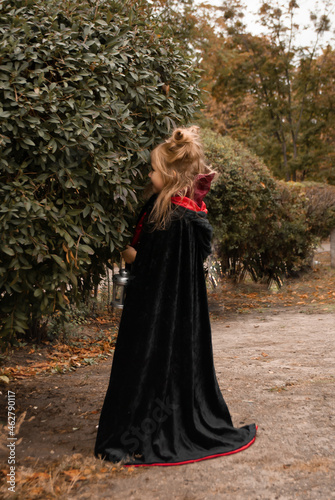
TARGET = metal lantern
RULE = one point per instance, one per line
(120, 282)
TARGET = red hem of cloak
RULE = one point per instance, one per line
(196, 459)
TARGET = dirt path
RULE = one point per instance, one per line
(273, 369)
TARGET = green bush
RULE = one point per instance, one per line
(260, 225)
(86, 89)
(319, 202)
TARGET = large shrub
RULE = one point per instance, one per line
(260, 226)
(319, 202)
(86, 88)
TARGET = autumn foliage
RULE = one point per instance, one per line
(269, 91)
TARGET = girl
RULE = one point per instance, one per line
(163, 405)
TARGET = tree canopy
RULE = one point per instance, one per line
(270, 91)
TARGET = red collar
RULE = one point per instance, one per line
(183, 201)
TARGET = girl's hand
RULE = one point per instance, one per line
(129, 254)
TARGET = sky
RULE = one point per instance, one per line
(305, 36)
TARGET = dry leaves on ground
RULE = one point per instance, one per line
(61, 477)
(90, 344)
(313, 292)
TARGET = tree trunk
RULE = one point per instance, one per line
(332, 248)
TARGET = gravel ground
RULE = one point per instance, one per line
(275, 369)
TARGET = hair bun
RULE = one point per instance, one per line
(185, 135)
(178, 135)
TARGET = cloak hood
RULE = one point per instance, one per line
(202, 186)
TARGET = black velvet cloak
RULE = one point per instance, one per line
(163, 405)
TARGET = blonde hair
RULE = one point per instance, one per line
(179, 160)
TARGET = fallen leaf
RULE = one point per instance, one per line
(72, 473)
(38, 475)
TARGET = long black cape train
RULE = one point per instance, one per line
(163, 405)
